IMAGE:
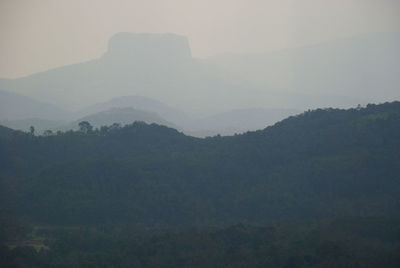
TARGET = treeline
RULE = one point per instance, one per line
(320, 189)
(320, 164)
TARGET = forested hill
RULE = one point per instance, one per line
(5, 131)
(322, 163)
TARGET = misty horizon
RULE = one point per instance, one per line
(202, 58)
(42, 36)
(211, 56)
(341, 73)
(208, 94)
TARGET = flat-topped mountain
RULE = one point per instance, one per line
(155, 65)
(148, 47)
(160, 66)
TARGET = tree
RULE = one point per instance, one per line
(85, 127)
(48, 133)
(32, 130)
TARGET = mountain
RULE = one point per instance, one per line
(226, 123)
(39, 124)
(145, 47)
(319, 164)
(365, 65)
(16, 107)
(237, 121)
(123, 116)
(154, 65)
(5, 131)
(160, 66)
(139, 103)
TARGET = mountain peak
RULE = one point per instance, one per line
(148, 46)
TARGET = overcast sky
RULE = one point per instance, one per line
(37, 35)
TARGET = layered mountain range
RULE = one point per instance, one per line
(225, 94)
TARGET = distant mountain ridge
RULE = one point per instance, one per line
(16, 107)
(122, 116)
(139, 108)
(139, 103)
(336, 74)
(365, 66)
(226, 123)
(135, 64)
(40, 125)
(238, 121)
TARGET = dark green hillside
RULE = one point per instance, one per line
(346, 242)
(5, 131)
(320, 164)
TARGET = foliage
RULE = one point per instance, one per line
(316, 166)
(341, 242)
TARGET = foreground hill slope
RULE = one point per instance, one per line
(319, 164)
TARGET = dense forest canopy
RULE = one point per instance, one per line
(316, 166)
(326, 162)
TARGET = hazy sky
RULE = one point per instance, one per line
(40, 34)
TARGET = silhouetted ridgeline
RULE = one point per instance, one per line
(320, 189)
(322, 163)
